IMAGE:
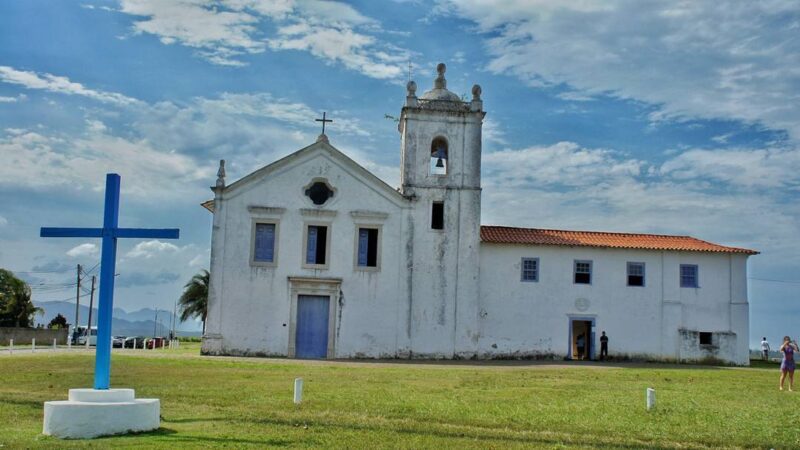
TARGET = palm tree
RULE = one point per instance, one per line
(194, 300)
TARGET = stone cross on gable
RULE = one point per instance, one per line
(109, 235)
(323, 120)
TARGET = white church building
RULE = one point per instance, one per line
(313, 256)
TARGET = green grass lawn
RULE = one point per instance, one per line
(238, 402)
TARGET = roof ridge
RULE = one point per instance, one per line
(596, 232)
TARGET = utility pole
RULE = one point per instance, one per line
(91, 304)
(78, 298)
(174, 319)
(155, 324)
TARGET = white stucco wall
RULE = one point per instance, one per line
(444, 276)
(444, 294)
(531, 319)
(250, 305)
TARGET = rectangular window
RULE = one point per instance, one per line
(689, 276)
(530, 269)
(437, 216)
(635, 274)
(367, 247)
(705, 338)
(583, 272)
(264, 243)
(316, 244)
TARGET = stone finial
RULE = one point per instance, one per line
(411, 95)
(411, 87)
(440, 82)
(322, 138)
(476, 92)
(476, 104)
(221, 174)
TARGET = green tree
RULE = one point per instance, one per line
(194, 300)
(16, 307)
(58, 322)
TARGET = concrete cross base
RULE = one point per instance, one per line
(91, 413)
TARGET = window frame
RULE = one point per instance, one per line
(575, 270)
(368, 226)
(696, 276)
(522, 278)
(710, 336)
(328, 239)
(628, 274)
(254, 223)
(444, 224)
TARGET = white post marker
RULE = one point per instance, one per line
(69, 343)
(11, 346)
(33, 345)
(298, 390)
(651, 398)
(54, 345)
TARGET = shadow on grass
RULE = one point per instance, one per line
(174, 436)
(523, 363)
(33, 404)
(431, 430)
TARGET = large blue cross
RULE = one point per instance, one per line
(109, 233)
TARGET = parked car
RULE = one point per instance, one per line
(118, 341)
(134, 342)
(158, 342)
(92, 336)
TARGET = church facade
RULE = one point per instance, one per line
(313, 256)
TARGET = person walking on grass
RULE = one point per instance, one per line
(788, 348)
(764, 349)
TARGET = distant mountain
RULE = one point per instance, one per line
(138, 323)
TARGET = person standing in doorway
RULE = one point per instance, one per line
(764, 349)
(581, 344)
(603, 346)
(788, 348)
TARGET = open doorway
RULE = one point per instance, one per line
(581, 339)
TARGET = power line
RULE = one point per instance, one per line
(63, 299)
(774, 281)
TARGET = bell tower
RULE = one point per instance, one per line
(441, 175)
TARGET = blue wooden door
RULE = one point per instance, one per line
(311, 335)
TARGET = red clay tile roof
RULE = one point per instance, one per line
(534, 236)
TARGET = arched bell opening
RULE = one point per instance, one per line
(439, 156)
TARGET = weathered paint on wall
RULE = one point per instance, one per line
(531, 319)
(24, 336)
(442, 293)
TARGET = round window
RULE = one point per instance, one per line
(319, 193)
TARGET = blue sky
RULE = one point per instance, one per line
(663, 117)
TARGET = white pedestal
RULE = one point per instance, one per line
(91, 413)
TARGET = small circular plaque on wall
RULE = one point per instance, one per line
(582, 304)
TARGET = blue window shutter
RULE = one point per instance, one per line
(311, 246)
(269, 242)
(363, 243)
(265, 242)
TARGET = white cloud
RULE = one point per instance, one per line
(87, 249)
(761, 168)
(149, 249)
(199, 261)
(722, 59)
(561, 164)
(567, 186)
(38, 161)
(8, 99)
(493, 133)
(3, 221)
(59, 84)
(222, 31)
